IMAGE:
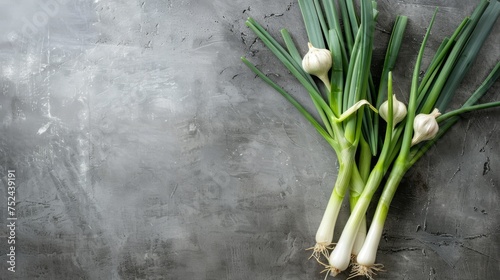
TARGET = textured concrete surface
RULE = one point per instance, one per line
(144, 149)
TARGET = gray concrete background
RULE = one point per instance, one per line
(144, 149)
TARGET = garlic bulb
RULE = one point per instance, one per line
(425, 127)
(398, 110)
(318, 62)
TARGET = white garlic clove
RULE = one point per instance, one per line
(317, 61)
(425, 127)
(398, 108)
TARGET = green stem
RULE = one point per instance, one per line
(347, 26)
(357, 184)
(312, 23)
(467, 109)
(390, 188)
(365, 159)
(346, 164)
(485, 23)
(439, 59)
(334, 25)
(412, 105)
(337, 74)
(391, 55)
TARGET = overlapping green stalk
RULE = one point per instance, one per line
(371, 150)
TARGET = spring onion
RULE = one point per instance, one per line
(372, 151)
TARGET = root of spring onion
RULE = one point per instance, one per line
(368, 272)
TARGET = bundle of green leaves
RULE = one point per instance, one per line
(376, 137)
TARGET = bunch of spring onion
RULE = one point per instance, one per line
(373, 145)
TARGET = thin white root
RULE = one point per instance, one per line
(368, 272)
(330, 270)
(320, 250)
(323, 250)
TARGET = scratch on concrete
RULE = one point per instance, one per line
(486, 167)
(453, 176)
(465, 137)
(488, 139)
(173, 191)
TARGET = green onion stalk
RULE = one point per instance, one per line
(336, 73)
(481, 23)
